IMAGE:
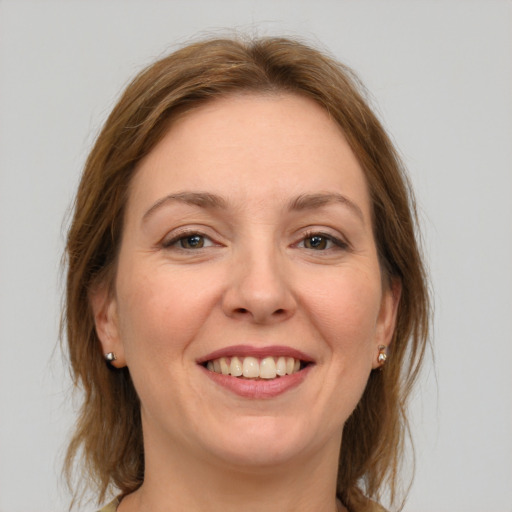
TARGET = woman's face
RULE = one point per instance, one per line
(248, 248)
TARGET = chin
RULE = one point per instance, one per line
(258, 442)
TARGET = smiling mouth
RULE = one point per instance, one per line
(249, 367)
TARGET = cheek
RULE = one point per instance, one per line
(346, 311)
(161, 312)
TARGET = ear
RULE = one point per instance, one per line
(387, 317)
(104, 308)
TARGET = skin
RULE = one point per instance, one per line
(258, 280)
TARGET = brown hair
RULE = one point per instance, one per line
(108, 433)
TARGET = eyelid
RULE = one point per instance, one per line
(339, 242)
(176, 235)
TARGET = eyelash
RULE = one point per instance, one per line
(337, 242)
(184, 235)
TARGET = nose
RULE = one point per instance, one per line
(259, 290)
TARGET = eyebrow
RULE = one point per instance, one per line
(201, 199)
(313, 201)
(213, 201)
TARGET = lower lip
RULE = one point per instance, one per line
(258, 388)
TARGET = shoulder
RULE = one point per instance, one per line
(111, 507)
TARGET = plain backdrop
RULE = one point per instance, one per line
(440, 73)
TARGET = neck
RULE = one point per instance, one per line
(176, 481)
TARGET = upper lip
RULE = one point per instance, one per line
(258, 352)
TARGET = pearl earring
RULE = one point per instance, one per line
(110, 357)
(381, 358)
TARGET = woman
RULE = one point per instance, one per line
(243, 256)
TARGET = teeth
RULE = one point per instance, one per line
(253, 368)
(268, 368)
(235, 367)
(224, 367)
(281, 366)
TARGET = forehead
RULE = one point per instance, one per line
(252, 147)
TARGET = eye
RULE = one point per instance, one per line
(321, 242)
(316, 242)
(188, 241)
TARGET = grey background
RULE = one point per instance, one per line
(441, 76)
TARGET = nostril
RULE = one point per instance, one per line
(279, 312)
(241, 310)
